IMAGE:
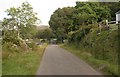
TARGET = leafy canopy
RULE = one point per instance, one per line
(21, 19)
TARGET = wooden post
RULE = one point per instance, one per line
(108, 26)
(118, 25)
(100, 26)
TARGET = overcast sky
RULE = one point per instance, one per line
(44, 8)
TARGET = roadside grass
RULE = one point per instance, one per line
(0, 62)
(108, 68)
(113, 26)
(24, 63)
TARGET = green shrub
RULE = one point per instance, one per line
(76, 36)
(9, 48)
(32, 45)
(102, 46)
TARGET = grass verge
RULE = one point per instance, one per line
(0, 57)
(25, 63)
(108, 68)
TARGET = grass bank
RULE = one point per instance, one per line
(97, 48)
(103, 66)
(0, 61)
(26, 63)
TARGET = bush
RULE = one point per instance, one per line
(9, 48)
(76, 36)
(103, 46)
(32, 45)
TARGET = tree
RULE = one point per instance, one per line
(69, 19)
(95, 12)
(21, 19)
(103, 13)
(44, 34)
(113, 6)
(61, 22)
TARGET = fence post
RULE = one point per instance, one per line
(118, 26)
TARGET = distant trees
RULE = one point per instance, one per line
(44, 34)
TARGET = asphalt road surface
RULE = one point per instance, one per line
(57, 61)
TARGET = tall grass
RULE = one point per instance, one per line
(0, 57)
(109, 69)
(25, 63)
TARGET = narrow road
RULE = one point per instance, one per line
(57, 61)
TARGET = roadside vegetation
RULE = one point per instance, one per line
(85, 31)
(0, 57)
(105, 67)
(98, 50)
(23, 63)
(21, 50)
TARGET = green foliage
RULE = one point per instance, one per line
(26, 63)
(23, 45)
(10, 36)
(113, 6)
(9, 48)
(21, 20)
(76, 36)
(80, 25)
(102, 46)
(18, 25)
(109, 69)
(61, 22)
(44, 34)
(85, 14)
(33, 46)
(106, 46)
(103, 13)
(69, 19)
(96, 12)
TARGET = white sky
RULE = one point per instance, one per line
(44, 8)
